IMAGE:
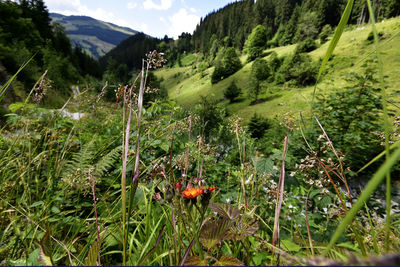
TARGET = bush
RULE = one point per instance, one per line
(256, 42)
(232, 92)
(305, 46)
(370, 38)
(352, 117)
(325, 32)
(226, 66)
(298, 68)
(258, 125)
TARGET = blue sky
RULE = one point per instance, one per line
(153, 17)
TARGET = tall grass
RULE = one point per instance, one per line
(49, 170)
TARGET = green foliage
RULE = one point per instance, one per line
(325, 32)
(232, 92)
(211, 117)
(228, 64)
(258, 125)
(308, 26)
(298, 68)
(352, 117)
(305, 46)
(370, 37)
(260, 71)
(256, 42)
(27, 30)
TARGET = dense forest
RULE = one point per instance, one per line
(25, 31)
(268, 136)
(282, 22)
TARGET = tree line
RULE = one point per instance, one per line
(26, 29)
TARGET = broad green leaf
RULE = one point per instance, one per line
(46, 250)
(264, 165)
(244, 229)
(18, 105)
(314, 193)
(37, 203)
(213, 232)
(44, 259)
(288, 245)
(228, 260)
(195, 261)
(165, 146)
(260, 257)
(226, 211)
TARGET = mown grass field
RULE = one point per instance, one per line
(186, 84)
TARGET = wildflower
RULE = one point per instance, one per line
(192, 192)
(209, 189)
(157, 196)
(178, 186)
(207, 195)
(248, 180)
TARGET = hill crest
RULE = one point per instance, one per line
(94, 36)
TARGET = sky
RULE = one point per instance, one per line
(156, 18)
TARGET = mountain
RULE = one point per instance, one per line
(96, 37)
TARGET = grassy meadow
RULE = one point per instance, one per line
(186, 84)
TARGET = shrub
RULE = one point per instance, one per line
(256, 42)
(305, 46)
(325, 32)
(226, 66)
(232, 92)
(298, 68)
(352, 117)
(258, 125)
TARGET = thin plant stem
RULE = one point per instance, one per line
(386, 124)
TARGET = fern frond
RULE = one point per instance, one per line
(106, 162)
(81, 160)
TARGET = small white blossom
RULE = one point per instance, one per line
(249, 179)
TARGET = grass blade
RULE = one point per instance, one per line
(335, 39)
(396, 144)
(4, 88)
(366, 193)
(386, 122)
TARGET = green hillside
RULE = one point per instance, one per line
(187, 84)
(94, 36)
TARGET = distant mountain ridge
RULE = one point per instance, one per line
(94, 36)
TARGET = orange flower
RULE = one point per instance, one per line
(211, 188)
(192, 192)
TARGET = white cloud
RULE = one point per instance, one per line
(74, 7)
(163, 5)
(131, 5)
(182, 21)
(61, 5)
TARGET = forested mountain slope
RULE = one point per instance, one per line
(188, 83)
(94, 36)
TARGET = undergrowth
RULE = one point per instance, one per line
(150, 183)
